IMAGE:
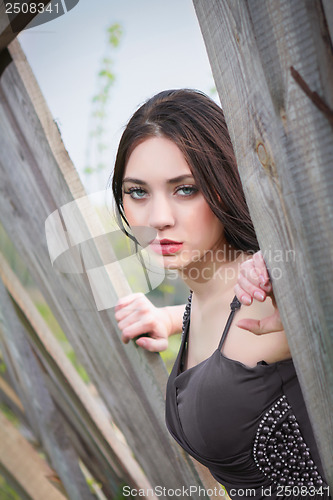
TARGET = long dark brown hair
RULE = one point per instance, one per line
(197, 126)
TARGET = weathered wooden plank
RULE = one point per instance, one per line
(130, 381)
(284, 147)
(42, 409)
(10, 26)
(24, 464)
(328, 14)
(74, 186)
(7, 390)
(113, 462)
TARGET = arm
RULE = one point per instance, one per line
(137, 316)
(176, 318)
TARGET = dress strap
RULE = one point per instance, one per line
(234, 306)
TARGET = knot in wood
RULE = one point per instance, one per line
(262, 154)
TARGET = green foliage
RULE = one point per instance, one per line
(115, 32)
(96, 487)
(79, 368)
(3, 367)
(167, 293)
(89, 170)
(9, 414)
(119, 494)
(13, 258)
(96, 145)
(6, 492)
(213, 91)
(165, 288)
(48, 317)
(93, 484)
(170, 354)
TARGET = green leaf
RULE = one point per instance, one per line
(88, 170)
(107, 74)
(115, 32)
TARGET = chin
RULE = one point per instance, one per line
(171, 265)
(169, 262)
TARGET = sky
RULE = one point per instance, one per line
(161, 47)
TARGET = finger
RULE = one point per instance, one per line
(264, 326)
(145, 322)
(267, 287)
(125, 301)
(252, 325)
(250, 289)
(242, 296)
(261, 267)
(129, 314)
(139, 304)
(255, 276)
(152, 345)
(249, 271)
(260, 263)
(134, 330)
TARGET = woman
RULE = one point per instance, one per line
(233, 400)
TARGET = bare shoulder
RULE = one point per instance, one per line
(248, 348)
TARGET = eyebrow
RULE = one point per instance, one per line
(174, 180)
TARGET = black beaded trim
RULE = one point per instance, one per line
(280, 451)
(187, 312)
(235, 304)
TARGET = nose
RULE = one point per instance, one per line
(160, 213)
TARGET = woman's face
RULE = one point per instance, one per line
(159, 192)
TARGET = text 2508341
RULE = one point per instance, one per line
(31, 8)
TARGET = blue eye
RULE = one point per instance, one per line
(187, 190)
(136, 193)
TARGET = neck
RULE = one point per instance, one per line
(213, 277)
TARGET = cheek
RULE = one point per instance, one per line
(130, 213)
(211, 227)
(206, 218)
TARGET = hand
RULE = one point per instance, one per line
(254, 283)
(136, 315)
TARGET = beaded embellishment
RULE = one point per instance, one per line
(280, 451)
(186, 314)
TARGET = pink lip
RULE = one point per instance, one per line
(165, 246)
(169, 242)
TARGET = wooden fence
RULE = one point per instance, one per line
(272, 63)
(273, 67)
(120, 436)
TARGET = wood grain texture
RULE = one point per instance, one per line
(52, 432)
(10, 394)
(37, 178)
(19, 459)
(284, 149)
(94, 435)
